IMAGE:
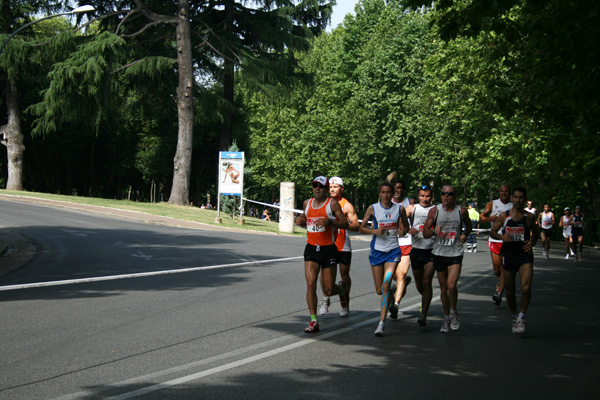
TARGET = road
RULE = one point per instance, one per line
(158, 312)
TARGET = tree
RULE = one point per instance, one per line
(14, 60)
(210, 38)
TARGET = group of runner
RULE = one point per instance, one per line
(429, 238)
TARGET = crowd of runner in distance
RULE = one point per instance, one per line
(429, 239)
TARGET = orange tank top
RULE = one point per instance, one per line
(341, 233)
(325, 235)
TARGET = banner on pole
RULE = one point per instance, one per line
(231, 173)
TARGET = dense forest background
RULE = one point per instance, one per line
(471, 92)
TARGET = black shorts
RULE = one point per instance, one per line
(576, 233)
(441, 263)
(344, 257)
(547, 232)
(513, 264)
(420, 257)
(325, 256)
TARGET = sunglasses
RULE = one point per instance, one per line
(447, 193)
(316, 185)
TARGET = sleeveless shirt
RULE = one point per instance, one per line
(325, 235)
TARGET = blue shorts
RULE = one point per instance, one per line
(377, 257)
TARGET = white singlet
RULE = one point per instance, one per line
(419, 217)
(566, 228)
(547, 220)
(386, 218)
(405, 240)
(498, 207)
(447, 243)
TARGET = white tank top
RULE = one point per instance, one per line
(447, 243)
(388, 219)
(498, 207)
(405, 240)
(418, 221)
(547, 220)
(566, 228)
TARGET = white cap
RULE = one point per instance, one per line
(322, 180)
(336, 180)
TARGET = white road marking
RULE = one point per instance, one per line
(145, 274)
(142, 255)
(239, 363)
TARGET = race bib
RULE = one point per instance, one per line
(447, 238)
(546, 225)
(311, 224)
(419, 229)
(390, 227)
(577, 224)
(516, 233)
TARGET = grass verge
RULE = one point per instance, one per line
(187, 213)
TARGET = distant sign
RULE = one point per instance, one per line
(231, 173)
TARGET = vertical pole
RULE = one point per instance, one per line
(287, 196)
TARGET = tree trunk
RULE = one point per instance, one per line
(180, 191)
(226, 138)
(13, 140)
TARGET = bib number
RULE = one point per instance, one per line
(311, 225)
(516, 233)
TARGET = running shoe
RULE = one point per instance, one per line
(445, 326)
(344, 298)
(572, 252)
(454, 322)
(546, 256)
(514, 326)
(393, 311)
(520, 326)
(567, 256)
(324, 309)
(497, 298)
(422, 321)
(380, 330)
(313, 327)
(345, 312)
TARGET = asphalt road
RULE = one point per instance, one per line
(110, 308)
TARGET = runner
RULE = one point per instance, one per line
(445, 222)
(546, 222)
(321, 217)
(405, 244)
(519, 233)
(566, 222)
(472, 239)
(336, 190)
(421, 259)
(531, 210)
(577, 233)
(385, 254)
(490, 214)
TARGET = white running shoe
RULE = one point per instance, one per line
(546, 256)
(445, 326)
(567, 257)
(454, 322)
(345, 312)
(572, 252)
(514, 326)
(520, 325)
(324, 309)
(380, 330)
